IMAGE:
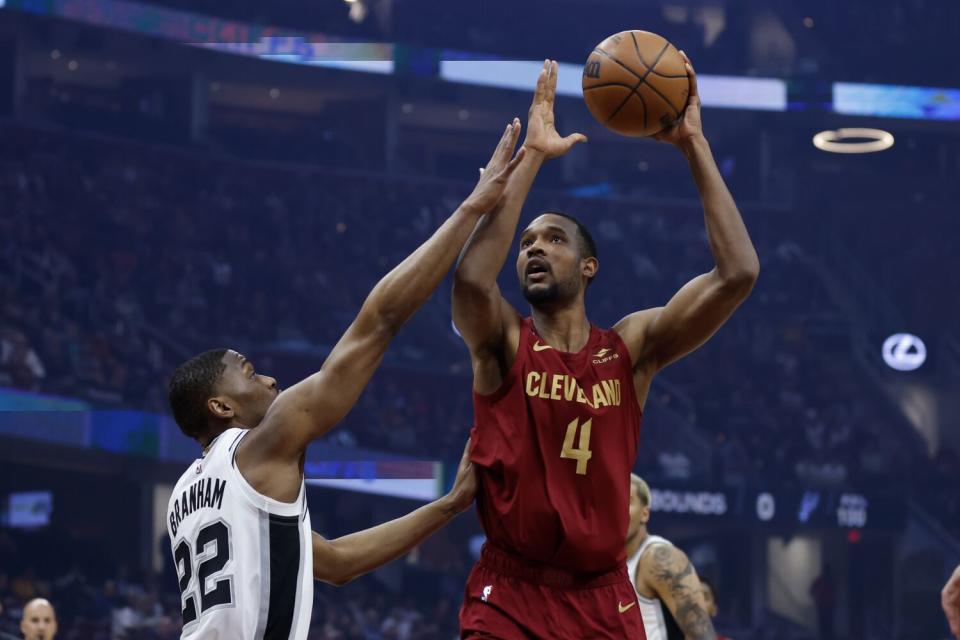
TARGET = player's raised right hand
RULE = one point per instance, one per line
(493, 177)
(542, 136)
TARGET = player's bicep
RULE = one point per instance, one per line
(328, 565)
(481, 314)
(669, 571)
(691, 317)
(314, 405)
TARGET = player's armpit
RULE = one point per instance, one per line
(669, 572)
(660, 336)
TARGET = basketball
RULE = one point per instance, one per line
(635, 83)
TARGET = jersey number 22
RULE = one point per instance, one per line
(213, 553)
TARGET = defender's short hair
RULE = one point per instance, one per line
(191, 386)
(643, 490)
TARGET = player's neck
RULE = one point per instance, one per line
(565, 329)
(634, 542)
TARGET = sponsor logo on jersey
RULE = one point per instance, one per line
(605, 355)
(624, 609)
(559, 386)
(540, 347)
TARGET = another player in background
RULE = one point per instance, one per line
(667, 586)
(950, 599)
(39, 621)
(238, 520)
(710, 599)
(558, 401)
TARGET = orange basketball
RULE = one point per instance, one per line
(635, 83)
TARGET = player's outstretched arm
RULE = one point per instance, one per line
(950, 599)
(657, 337)
(667, 571)
(479, 311)
(341, 560)
(311, 407)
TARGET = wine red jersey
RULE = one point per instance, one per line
(554, 447)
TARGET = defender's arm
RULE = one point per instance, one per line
(666, 570)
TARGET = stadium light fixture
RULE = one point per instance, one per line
(839, 141)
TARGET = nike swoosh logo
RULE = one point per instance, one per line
(624, 609)
(541, 347)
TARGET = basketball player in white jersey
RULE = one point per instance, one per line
(238, 521)
(668, 590)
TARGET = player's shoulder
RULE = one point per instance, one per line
(658, 551)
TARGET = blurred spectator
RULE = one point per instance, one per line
(39, 620)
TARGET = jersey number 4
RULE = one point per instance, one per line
(582, 453)
(213, 553)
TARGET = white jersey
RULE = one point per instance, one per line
(657, 619)
(245, 561)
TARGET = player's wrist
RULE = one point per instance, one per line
(451, 505)
(692, 145)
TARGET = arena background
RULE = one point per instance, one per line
(181, 175)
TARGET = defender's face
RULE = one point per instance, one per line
(549, 264)
(249, 392)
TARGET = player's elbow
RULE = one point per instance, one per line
(334, 572)
(740, 280)
(338, 580)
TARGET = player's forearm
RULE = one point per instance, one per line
(404, 290)
(735, 256)
(487, 249)
(362, 552)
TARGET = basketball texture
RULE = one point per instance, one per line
(635, 83)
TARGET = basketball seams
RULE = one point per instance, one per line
(642, 75)
(642, 79)
(611, 57)
(661, 96)
(609, 84)
(652, 68)
(632, 92)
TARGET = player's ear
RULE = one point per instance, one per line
(589, 267)
(221, 407)
(645, 515)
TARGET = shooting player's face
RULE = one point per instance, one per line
(549, 265)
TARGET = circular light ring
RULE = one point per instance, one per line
(833, 141)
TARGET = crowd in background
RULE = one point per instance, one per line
(119, 260)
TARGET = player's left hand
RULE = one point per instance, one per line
(950, 600)
(688, 127)
(465, 485)
(542, 135)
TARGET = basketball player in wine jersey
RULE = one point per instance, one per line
(238, 521)
(558, 401)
